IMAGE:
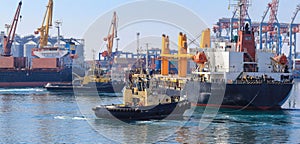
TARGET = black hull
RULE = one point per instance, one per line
(33, 78)
(100, 87)
(238, 96)
(162, 111)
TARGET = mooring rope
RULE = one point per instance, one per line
(244, 107)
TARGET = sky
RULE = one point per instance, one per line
(78, 16)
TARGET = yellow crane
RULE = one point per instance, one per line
(47, 23)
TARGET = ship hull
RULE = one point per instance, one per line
(100, 87)
(173, 110)
(261, 96)
(33, 78)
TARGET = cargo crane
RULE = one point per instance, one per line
(293, 29)
(44, 51)
(46, 24)
(8, 40)
(269, 28)
(112, 34)
(109, 39)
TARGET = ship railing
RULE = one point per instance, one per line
(266, 50)
(218, 80)
(249, 62)
(216, 70)
(209, 73)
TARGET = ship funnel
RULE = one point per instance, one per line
(246, 42)
(205, 39)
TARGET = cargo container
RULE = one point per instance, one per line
(44, 63)
(7, 62)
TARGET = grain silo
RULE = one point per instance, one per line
(16, 50)
(28, 50)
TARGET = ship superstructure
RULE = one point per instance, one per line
(235, 75)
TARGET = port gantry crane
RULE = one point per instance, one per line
(232, 25)
(269, 28)
(294, 28)
(46, 24)
(240, 16)
(8, 40)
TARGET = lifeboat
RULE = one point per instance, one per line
(105, 54)
(281, 59)
(200, 58)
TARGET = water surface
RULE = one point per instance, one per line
(34, 115)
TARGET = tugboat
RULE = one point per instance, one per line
(95, 79)
(141, 101)
(236, 75)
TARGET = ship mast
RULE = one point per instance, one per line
(57, 25)
(147, 54)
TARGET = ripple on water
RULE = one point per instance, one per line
(38, 116)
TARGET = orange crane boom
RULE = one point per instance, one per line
(8, 40)
(46, 24)
(111, 34)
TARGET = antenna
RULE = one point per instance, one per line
(147, 54)
(138, 44)
(7, 27)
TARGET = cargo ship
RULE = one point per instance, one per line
(95, 79)
(52, 65)
(46, 65)
(236, 75)
(32, 77)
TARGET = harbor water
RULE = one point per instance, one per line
(34, 115)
